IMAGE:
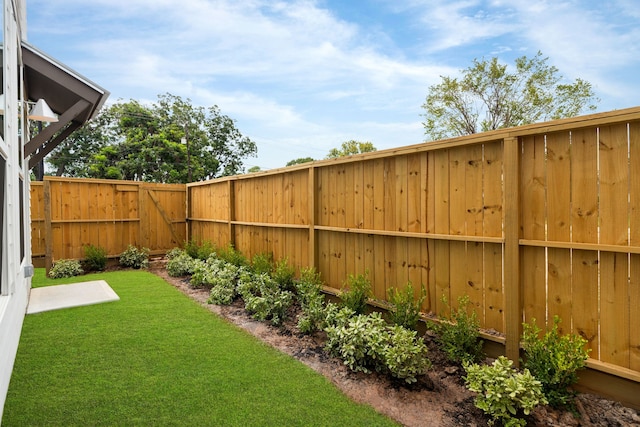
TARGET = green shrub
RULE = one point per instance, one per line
(233, 256)
(405, 306)
(366, 342)
(199, 250)
(309, 293)
(262, 263)
(133, 257)
(65, 268)
(223, 282)
(264, 298)
(358, 342)
(283, 273)
(405, 355)
(95, 258)
(503, 393)
(181, 265)
(460, 337)
(554, 360)
(174, 253)
(356, 292)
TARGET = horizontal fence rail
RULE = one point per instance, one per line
(529, 222)
(69, 214)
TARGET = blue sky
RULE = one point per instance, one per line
(301, 77)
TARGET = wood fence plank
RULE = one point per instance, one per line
(634, 182)
(614, 185)
(558, 187)
(474, 195)
(634, 315)
(492, 190)
(614, 309)
(533, 187)
(585, 298)
(494, 296)
(457, 196)
(400, 202)
(441, 192)
(415, 196)
(584, 186)
(533, 290)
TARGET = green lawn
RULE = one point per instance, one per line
(157, 358)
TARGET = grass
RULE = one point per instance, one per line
(157, 358)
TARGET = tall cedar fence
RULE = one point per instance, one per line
(69, 214)
(529, 222)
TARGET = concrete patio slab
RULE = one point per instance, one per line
(64, 296)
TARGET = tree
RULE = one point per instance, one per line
(253, 169)
(170, 141)
(351, 147)
(299, 161)
(488, 97)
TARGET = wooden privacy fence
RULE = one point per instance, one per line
(529, 222)
(68, 214)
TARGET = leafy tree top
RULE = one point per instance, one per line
(169, 141)
(351, 147)
(487, 96)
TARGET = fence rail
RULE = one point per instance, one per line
(529, 222)
(68, 214)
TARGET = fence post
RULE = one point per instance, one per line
(232, 211)
(512, 287)
(48, 232)
(312, 217)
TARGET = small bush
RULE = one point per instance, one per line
(309, 293)
(554, 360)
(356, 292)
(181, 265)
(503, 393)
(262, 263)
(133, 257)
(283, 273)
(65, 268)
(264, 298)
(199, 250)
(460, 337)
(233, 256)
(405, 355)
(174, 253)
(95, 258)
(223, 282)
(366, 342)
(358, 342)
(406, 307)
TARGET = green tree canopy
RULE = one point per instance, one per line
(487, 97)
(299, 161)
(169, 141)
(351, 147)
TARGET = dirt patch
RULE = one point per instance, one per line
(438, 399)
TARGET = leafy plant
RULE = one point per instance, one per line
(181, 264)
(264, 298)
(95, 258)
(283, 273)
(356, 292)
(554, 360)
(406, 307)
(405, 355)
(366, 342)
(503, 393)
(199, 250)
(358, 342)
(460, 337)
(262, 263)
(309, 293)
(174, 253)
(134, 258)
(65, 268)
(223, 281)
(233, 256)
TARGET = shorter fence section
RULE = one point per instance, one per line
(69, 214)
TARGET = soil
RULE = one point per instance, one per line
(439, 398)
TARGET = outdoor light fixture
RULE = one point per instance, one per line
(40, 112)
